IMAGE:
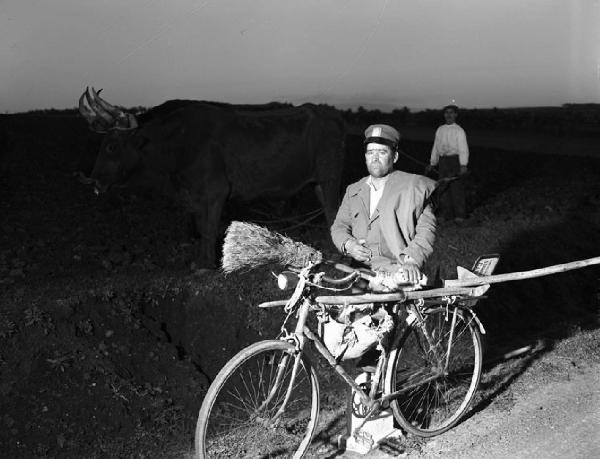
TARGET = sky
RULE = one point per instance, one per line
(376, 53)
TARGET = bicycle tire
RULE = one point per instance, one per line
(436, 405)
(251, 430)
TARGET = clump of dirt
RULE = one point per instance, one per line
(110, 336)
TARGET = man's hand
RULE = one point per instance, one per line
(412, 271)
(357, 250)
(429, 169)
(463, 170)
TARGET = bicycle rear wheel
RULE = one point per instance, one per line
(438, 366)
(240, 414)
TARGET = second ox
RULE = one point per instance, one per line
(210, 153)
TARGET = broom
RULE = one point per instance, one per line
(249, 246)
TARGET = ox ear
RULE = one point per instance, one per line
(139, 141)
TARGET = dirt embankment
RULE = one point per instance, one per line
(109, 338)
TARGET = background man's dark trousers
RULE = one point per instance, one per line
(452, 197)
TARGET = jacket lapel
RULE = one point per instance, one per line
(375, 215)
(364, 194)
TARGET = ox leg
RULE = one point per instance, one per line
(207, 219)
(192, 227)
(329, 171)
(327, 193)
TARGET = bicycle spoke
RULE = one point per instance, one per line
(283, 393)
(245, 418)
(239, 397)
(427, 351)
(252, 404)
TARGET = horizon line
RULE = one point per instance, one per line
(341, 107)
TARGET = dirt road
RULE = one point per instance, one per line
(556, 420)
(549, 410)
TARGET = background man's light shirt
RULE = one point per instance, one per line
(450, 139)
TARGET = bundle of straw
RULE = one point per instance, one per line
(248, 246)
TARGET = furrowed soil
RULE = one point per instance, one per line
(110, 335)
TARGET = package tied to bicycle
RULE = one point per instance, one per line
(355, 330)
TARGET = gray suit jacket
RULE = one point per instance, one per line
(407, 221)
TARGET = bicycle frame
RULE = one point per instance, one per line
(302, 333)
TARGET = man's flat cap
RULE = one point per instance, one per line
(383, 134)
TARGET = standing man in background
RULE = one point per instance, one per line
(450, 153)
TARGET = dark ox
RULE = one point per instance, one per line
(210, 153)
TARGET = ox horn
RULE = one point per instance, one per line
(107, 118)
(88, 114)
(97, 123)
(111, 109)
(122, 119)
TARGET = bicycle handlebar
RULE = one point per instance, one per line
(353, 273)
(364, 273)
(344, 280)
(393, 279)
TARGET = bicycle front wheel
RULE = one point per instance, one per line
(263, 403)
(437, 366)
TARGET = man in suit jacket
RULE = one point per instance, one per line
(385, 220)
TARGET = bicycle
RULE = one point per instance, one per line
(265, 400)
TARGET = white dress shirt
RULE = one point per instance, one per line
(375, 193)
(450, 139)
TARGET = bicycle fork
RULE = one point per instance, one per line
(433, 343)
(301, 333)
(299, 341)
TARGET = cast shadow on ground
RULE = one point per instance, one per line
(538, 312)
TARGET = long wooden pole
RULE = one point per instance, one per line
(471, 282)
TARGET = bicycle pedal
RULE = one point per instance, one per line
(393, 445)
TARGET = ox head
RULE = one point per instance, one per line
(118, 156)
